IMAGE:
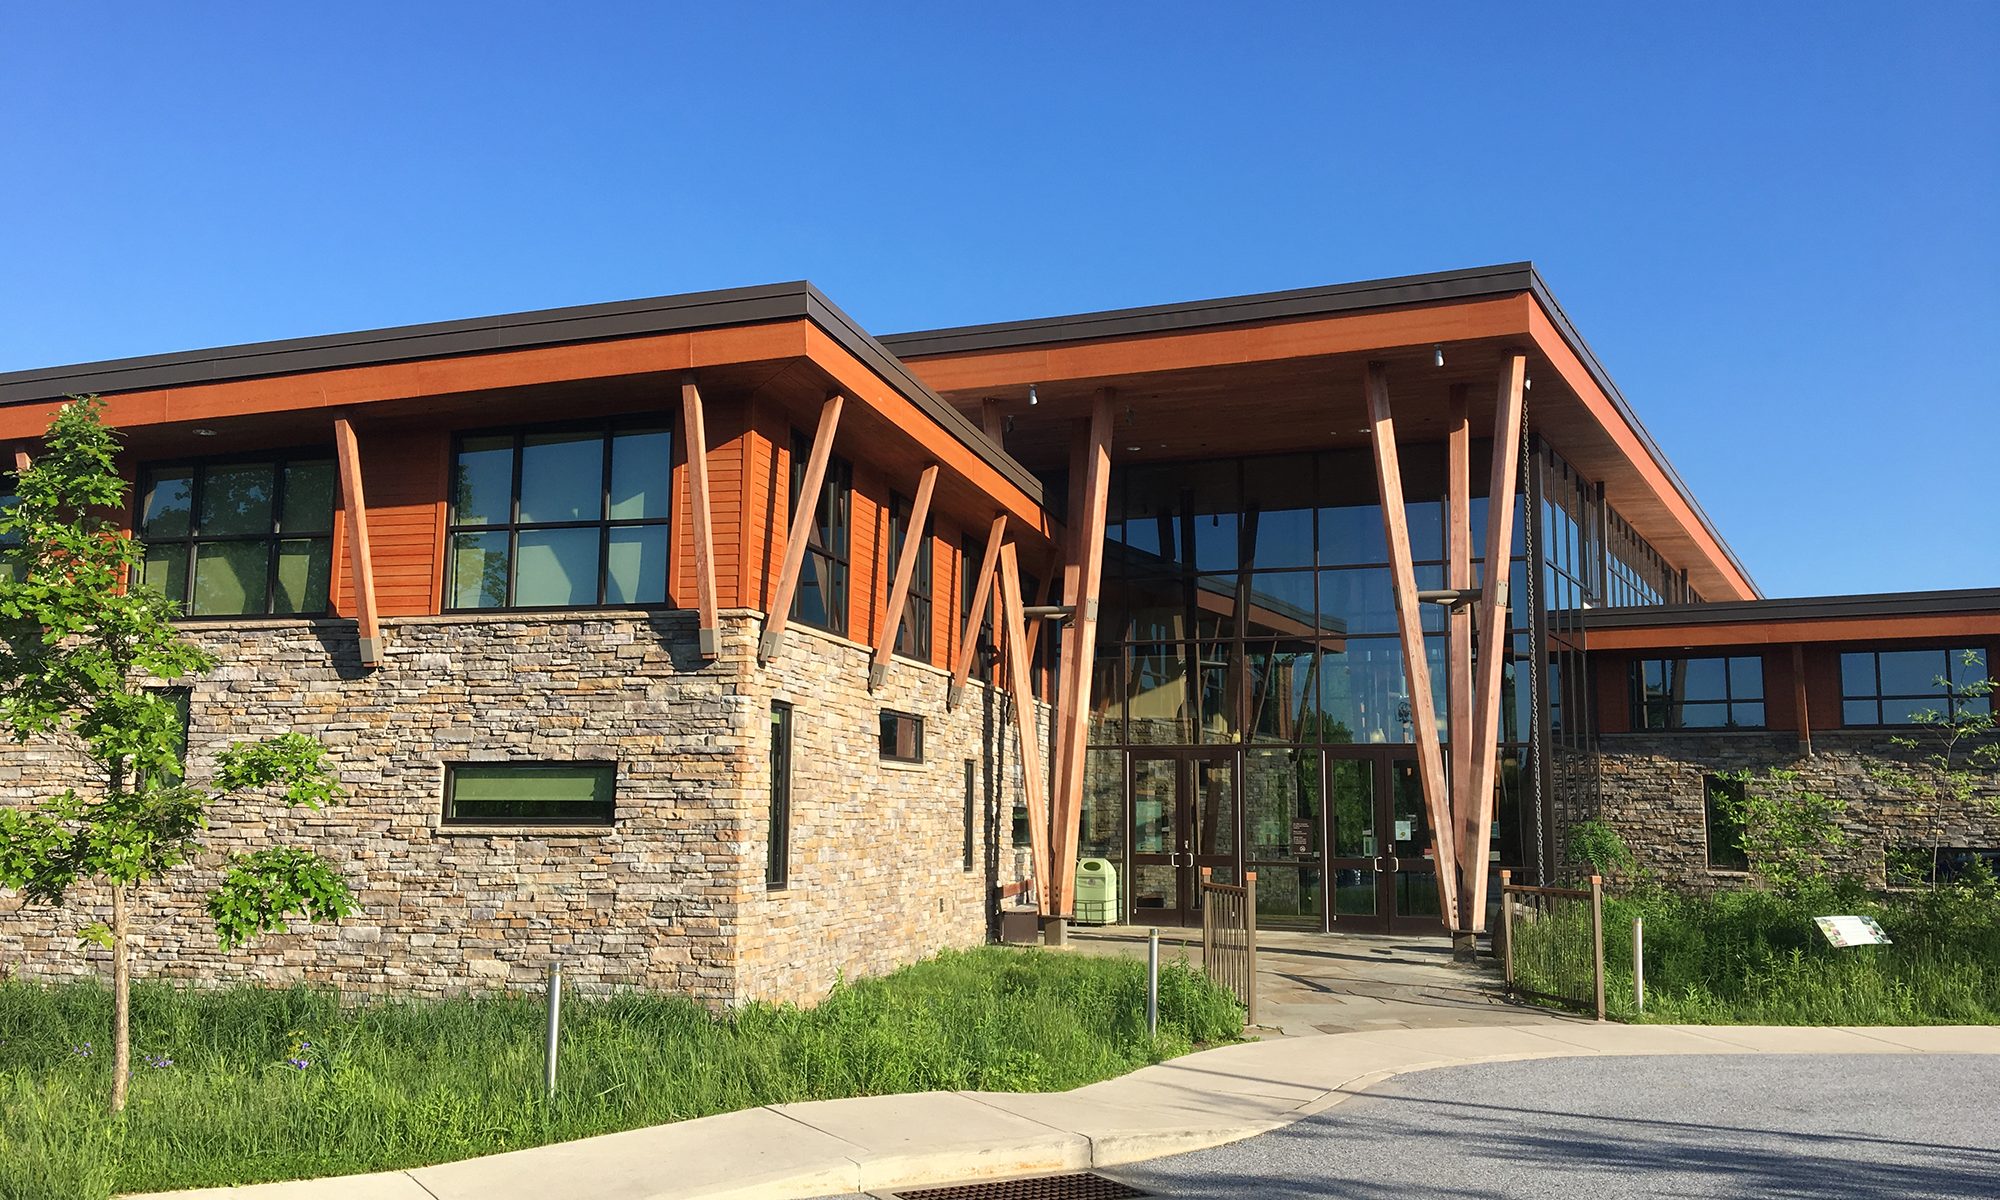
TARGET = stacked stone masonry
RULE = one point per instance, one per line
(671, 898)
(1650, 787)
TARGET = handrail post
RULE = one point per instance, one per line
(1250, 947)
(1639, 963)
(1507, 927)
(1597, 937)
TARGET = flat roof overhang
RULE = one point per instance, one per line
(1886, 616)
(1283, 370)
(743, 336)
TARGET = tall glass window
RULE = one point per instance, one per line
(821, 599)
(913, 636)
(239, 538)
(1910, 687)
(1698, 693)
(12, 570)
(560, 517)
(778, 836)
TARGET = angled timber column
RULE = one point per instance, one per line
(359, 561)
(20, 459)
(801, 531)
(694, 432)
(1014, 634)
(1799, 699)
(1410, 622)
(1086, 521)
(1462, 776)
(1495, 642)
(975, 616)
(906, 569)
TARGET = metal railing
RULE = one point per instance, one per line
(1552, 942)
(1229, 937)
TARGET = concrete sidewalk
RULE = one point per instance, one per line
(793, 1151)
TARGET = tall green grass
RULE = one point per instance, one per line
(1755, 957)
(399, 1084)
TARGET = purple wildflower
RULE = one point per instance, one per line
(159, 1062)
(81, 1051)
(298, 1064)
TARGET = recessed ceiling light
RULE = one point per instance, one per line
(203, 432)
(1135, 449)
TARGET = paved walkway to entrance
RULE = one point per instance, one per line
(840, 1147)
(1310, 983)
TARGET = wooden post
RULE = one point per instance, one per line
(1597, 939)
(1462, 776)
(1506, 928)
(20, 459)
(1087, 529)
(1250, 947)
(1024, 723)
(1409, 621)
(1799, 699)
(1495, 641)
(906, 569)
(975, 613)
(801, 531)
(360, 563)
(992, 421)
(694, 433)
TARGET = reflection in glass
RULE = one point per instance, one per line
(1353, 892)
(1351, 802)
(635, 569)
(482, 481)
(479, 570)
(165, 571)
(230, 578)
(562, 478)
(1281, 805)
(305, 567)
(1157, 703)
(236, 499)
(556, 568)
(1214, 807)
(641, 473)
(1107, 696)
(308, 504)
(169, 506)
(1102, 831)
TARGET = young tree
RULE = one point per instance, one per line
(1791, 835)
(81, 658)
(1954, 754)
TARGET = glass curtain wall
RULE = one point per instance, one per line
(1248, 603)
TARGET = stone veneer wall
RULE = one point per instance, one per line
(671, 898)
(1650, 788)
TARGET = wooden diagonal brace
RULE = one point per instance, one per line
(1461, 778)
(975, 616)
(1495, 641)
(906, 569)
(1410, 622)
(801, 530)
(1087, 523)
(1022, 693)
(694, 434)
(355, 504)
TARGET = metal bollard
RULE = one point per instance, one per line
(555, 1026)
(1152, 982)
(1639, 963)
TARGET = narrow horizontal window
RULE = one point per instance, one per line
(902, 737)
(1912, 687)
(530, 793)
(1698, 693)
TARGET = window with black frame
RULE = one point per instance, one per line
(1722, 822)
(778, 839)
(239, 537)
(1698, 693)
(572, 516)
(821, 599)
(985, 654)
(11, 569)
(913, 636)
(530, 793)
(1911, 687)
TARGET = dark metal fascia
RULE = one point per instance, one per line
(1436, 286)
(1797, 608)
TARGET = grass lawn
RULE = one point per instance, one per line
(1754, 957)
(250, 1084)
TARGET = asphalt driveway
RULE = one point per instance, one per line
(1820, 1126)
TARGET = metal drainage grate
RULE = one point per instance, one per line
(1079, 1186)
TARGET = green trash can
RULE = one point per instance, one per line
(1096, 892)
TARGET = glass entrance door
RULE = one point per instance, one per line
(1382, 876)
(1183, 819)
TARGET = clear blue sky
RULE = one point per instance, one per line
(1779, 224)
